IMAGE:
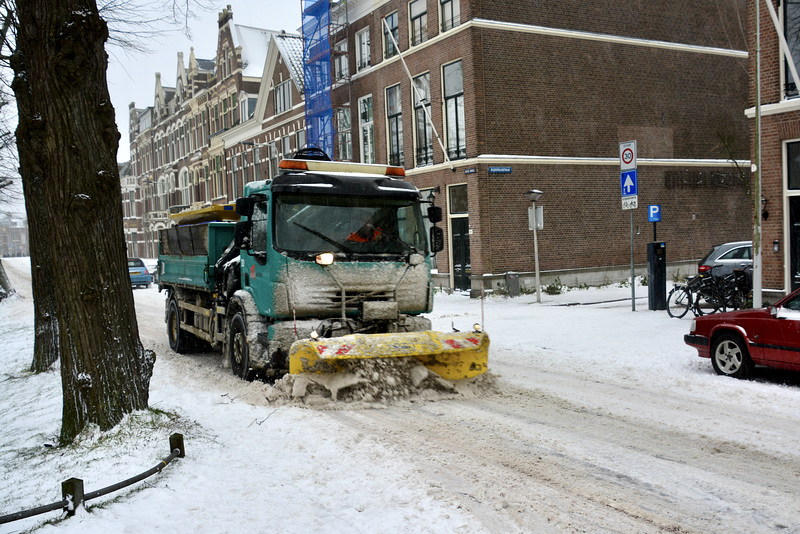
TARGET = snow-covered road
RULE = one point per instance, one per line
(601, 420)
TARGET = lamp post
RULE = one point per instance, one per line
(533, 195)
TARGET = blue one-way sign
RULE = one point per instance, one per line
(628, 183)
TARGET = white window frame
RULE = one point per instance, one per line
(344, 134)
(389, 50)
(341, 63)
(366, 129)
(423, 34)
(449, 14)
(461, 126)
(286, 146)
(362, 49)
(283, 97)
(397, 115)
(420, 119)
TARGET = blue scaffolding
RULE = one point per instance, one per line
(317, 74)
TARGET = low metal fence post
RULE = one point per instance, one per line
(72, 492)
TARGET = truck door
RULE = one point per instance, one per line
(254, 263)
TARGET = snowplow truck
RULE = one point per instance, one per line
(324, 264)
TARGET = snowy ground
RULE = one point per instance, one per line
(601, 420)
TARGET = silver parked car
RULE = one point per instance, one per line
(725, 258)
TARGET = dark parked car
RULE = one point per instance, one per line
(737, 341)
(152, 266)
(727, 257)
(140, 276)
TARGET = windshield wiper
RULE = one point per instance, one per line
(325, 238)
(395, 239)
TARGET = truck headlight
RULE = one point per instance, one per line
(326, 258)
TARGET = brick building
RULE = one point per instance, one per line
(780, 149)
(13, 236)
(520, 98)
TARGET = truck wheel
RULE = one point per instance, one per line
(177, 337)
(239, 352)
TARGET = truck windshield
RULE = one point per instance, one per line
(311, 224)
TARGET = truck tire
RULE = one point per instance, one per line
(238, 350)
(177, 338)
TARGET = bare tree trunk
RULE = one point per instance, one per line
(5, 284)
(67, 142)
(45, 339)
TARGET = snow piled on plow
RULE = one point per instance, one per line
(369, 381)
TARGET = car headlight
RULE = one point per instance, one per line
(693, 326)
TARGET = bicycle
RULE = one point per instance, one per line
(703, 294)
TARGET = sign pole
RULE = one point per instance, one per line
(633, 275)
(630, 197)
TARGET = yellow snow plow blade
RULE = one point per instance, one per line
(452, 356)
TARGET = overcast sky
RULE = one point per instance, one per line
(132, 77)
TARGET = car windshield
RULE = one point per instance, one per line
(792, 303)
(135, 263)
(311, 224)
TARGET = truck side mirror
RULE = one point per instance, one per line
(241, 235)
(434, 214)
(244, 206)
(437, 239)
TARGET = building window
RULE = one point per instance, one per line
(286, 147)
(362, 49)
(366, 130)
(422, 126)
(451, 14)
(218, 178)
(341, 66)
(283, 97)
(418, 13)
(344, 141)
(793, 166)
(791, 26)
(162, 194)
(273, 159)
(388, 45)
(300, 138)
(394, 114)
(454, 111)
(185, 183)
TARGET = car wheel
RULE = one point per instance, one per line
(730, 356)
(177, 337)
(238, 351)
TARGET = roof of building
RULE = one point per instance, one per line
(207, 65)
(291, 48)
(254, 43)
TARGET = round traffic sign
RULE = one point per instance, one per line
(627, 156)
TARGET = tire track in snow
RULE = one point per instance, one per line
(526, 459)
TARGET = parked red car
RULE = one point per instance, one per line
(737, 341)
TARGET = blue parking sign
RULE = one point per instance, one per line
(654, 213)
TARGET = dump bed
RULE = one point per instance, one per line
(187, 254)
